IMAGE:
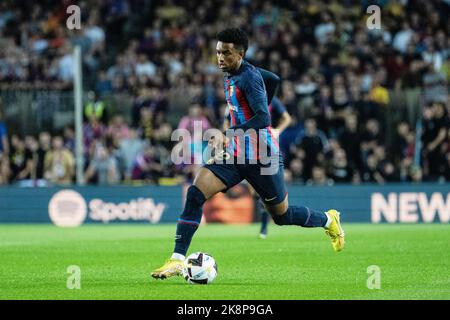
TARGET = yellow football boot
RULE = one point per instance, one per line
(171, 268)
(335, 231)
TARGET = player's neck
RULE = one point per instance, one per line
(235, 70)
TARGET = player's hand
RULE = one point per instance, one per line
(213, 142)
(218, 142)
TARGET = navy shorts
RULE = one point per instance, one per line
(270, 187)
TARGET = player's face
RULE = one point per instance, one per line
(228, 57)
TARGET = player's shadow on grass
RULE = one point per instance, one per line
(237, 284)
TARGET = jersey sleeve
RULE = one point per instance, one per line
(255, 90)
(255, 94)
(272, 83)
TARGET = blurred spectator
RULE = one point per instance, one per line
(305, 91)
(314, 142)
(146, 124)
(403, 146)
(129, 149)
(118, 129)
(44, 147)
(325, 28)
(145, 67)
(436, 124)
(371, 173)
(4, 170)
(195, 117)
(195, 120)
(95, 108)
(69, 138)
(435, 87)
(319, 177)
(403, 37)
(340, 171)
(147, 166)
(32, 157)
(104, 85)
(59, 164)
(367, 108)
(389, 173)
(93, 130)
(103, 168)
(378, 93)
(371, 137)
(18, 158)
(351, 141)
(94, 32)
(65, 64)
(296, 170)
(412, 85)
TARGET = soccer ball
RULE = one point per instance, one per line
(199, 268)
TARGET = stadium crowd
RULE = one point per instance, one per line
(341, 82)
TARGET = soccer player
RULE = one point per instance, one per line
(280, 120)
(247, 101)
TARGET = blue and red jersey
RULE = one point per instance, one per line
(246, 97)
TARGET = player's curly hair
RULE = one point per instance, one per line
(234, 35)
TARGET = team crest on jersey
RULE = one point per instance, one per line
(231, 90)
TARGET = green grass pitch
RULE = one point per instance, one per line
(292, 263)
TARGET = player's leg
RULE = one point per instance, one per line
(205, 185)
(283, 214)
(210, 180)
(271, 188)
(273, 192)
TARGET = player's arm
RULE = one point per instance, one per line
(285, 118)
(255, 94)
(284, 122)
(272, 83)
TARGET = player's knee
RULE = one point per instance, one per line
(195, 196)
(278, 209)
(278, 213)
(194, 203)
(279, 219)
(208, 183)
